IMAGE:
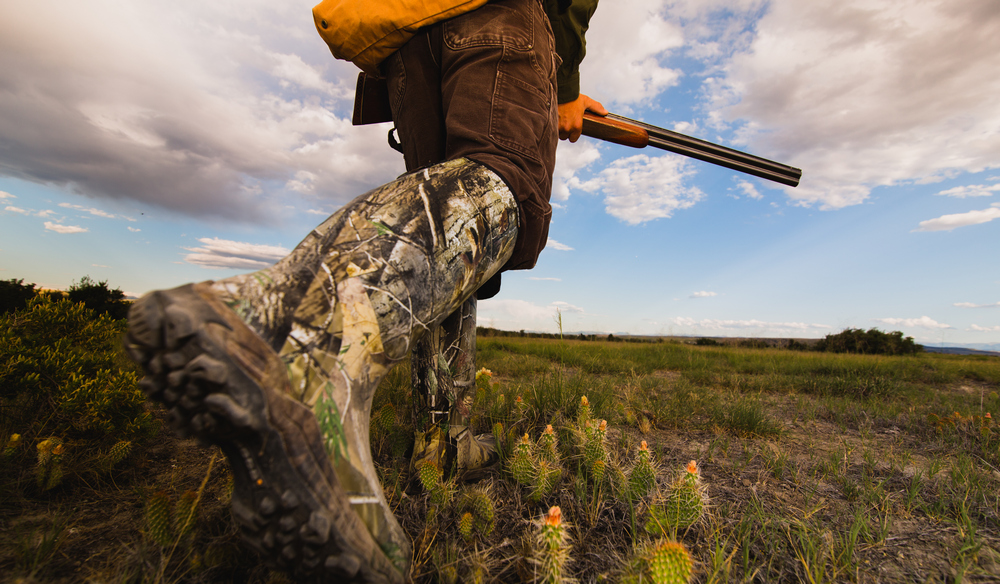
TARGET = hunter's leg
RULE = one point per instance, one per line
(279, 367)
(481, 86)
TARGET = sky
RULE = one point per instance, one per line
(151, 144)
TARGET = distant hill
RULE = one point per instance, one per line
(959, 351)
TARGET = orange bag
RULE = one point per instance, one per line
(366, 32)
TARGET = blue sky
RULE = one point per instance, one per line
(161, 144)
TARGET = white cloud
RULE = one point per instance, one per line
(566, 307)
(749, 190)
(99, 266)
(64, 228)
(949, 222)
(223, 253)
(984, 329)
(246, 105)
(571, 158)
(703, 294)
(515, 311)
(92, 210)
(752, 325)
(636, 36)
(922, 322)
(964, 191)
(6, 195)
(971, 305)
(134, 229)
(640, 188)
(14, 209)
(553, 244)
(863, 94)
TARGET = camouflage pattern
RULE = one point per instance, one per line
(443, 370)
(360, 291)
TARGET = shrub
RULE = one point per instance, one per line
(870, 342)
(99, 298)
(14, 294)
(63, 374)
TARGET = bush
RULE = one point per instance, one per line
(63, 374)
(99, 298)
(870, 342)
(14, 294)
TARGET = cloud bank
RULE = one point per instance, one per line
(223, 253)
(201, 109)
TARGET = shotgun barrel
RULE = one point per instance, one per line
(622, 130)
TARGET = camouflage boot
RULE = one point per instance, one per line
(443, 367)
(279, 367)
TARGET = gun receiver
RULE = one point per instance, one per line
(621, 130)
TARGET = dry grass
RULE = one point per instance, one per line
(817, 468)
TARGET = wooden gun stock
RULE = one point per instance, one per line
(621, 130)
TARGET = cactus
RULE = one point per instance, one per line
(48, 471)
(499, 438)
(670, 563)
(642, 479)
(684, 504)
(12, 444)
(184, 514)
(430, 475)
(548, 446)
(546, 477)
(118, 453)
(595, 447)
(522, 465)
(597, 471)
(441, 492)
(465, 525)
(158, 519)
(384, 421)
(553, 547)
(583, 413)
(477, 502)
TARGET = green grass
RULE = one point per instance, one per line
(814, 467)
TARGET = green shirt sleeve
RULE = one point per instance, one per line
(570, 20)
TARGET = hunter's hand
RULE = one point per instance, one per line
(571, 116)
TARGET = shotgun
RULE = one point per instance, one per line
(371, 106)
(621, 130)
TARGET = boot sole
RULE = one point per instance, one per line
(223, 385)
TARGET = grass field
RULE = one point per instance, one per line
(811, 467)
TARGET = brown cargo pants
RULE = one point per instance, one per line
(480, 86)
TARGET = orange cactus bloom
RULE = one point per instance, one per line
(554, 518)
(692, 467)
